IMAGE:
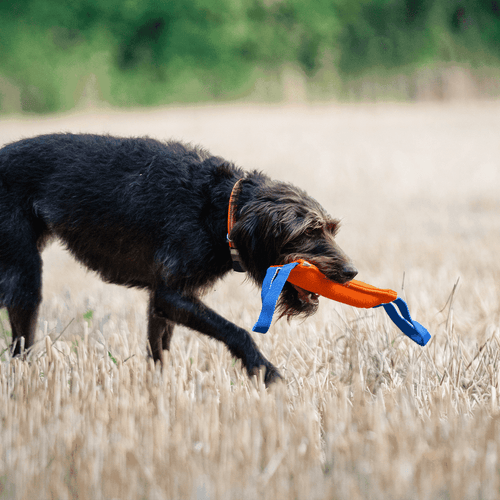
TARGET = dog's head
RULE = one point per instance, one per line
(282, 224)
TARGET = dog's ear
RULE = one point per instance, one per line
(256, 236)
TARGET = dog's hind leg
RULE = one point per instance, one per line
(20, 275)
(160, 332)
(20, 292)
(191, 312)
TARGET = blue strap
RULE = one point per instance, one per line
(408, 326)
(271, 288)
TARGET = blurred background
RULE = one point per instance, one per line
(56, 56)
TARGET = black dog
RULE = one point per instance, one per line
(154, 215)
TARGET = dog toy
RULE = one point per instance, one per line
(355, 293)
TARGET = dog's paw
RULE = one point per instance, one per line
(272, 375)
(265, 371)
(269, 373)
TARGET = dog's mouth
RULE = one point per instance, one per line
(306, 296)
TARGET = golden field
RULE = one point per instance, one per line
(363, 411)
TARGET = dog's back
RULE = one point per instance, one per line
(64, 176)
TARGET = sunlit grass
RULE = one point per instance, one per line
(363, 411)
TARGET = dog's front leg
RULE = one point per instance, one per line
(191, 312)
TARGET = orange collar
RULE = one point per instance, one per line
(231, 219)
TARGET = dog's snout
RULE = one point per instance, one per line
(349, 271)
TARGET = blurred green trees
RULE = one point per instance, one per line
(144, 52)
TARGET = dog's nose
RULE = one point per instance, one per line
(349, 271)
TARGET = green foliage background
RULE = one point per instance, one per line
(145, 52)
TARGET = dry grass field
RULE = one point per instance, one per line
(363, 412)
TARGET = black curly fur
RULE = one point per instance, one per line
(148, 214)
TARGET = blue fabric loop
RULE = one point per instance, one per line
(408, 326)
